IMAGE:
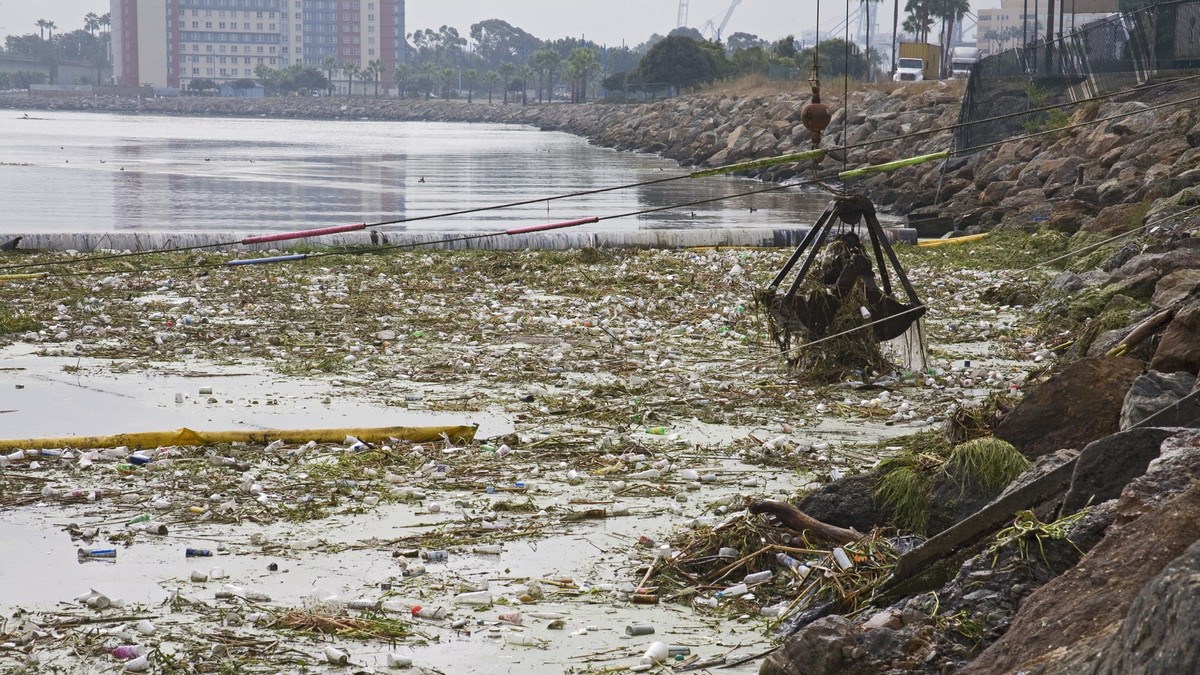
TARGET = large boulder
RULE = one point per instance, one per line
(1106, 466)
(849, 502)
(1152, 392)
(1159, 632)
(1180, 345)
(1064, 626)
(828, 646)
(1175, 286)
(1079, 405)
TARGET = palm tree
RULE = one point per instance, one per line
(376, 71)
(506, 72)
(429, 78)
(330, 64)
(349, 70)
(470, 76)
(365, 75)
(447, 75)
(404, 74)
(91, 23)
(546, 60)
(491, 78)
(951, 11)
(41, 24)
(50, 28)
(526, 76)
(584, 60)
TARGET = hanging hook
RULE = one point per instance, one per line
(814, 115)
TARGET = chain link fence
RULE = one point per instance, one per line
(1101, 57)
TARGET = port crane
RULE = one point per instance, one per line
(710, 28)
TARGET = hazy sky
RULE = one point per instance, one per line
(604, 21)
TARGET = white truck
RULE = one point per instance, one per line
(909, 70)
(961, 61)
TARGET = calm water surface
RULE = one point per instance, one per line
(94, 172)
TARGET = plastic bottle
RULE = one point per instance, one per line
(336, 656)
(733, 591)
(436, 613)
(197, 553)
(657, 431)
(141, 518)
(522, 640)
(758, 577)
(512, 617)
(126, 652)
(657, 652)
(478, 598)
(843, 560)
(370, 605)
(435, 556)
(800, 569)
(639, 629)
(86, 553)
(154, 527)
(397, 661)
(137, 665)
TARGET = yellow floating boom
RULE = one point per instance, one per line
(185, 436)
(892, 166)
(759, 163)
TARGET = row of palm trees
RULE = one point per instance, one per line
(430, 79)
(92, 23)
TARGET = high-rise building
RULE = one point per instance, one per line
(169, 43)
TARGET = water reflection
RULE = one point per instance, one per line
(153, 174)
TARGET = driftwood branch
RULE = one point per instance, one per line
(795, 519)
(1142, 331)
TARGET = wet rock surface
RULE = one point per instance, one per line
(1077, 406)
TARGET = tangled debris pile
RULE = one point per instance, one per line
(628, 409)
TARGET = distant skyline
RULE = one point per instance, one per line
(609, 22)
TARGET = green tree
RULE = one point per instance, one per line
(583, 61)
(545, 60)
(786, 48)
(499, 42)
(526, 78)
(365, 75)
(403, 76)
(376, 68)
(750, 61)
(470, 76)
(330, 64)
(203, 87)
(676, 61)
(739, 41)
(506, 71)
(832, 53)
(491, 78)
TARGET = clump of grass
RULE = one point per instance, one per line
(905, 485)
(12, 322)
(988, 463)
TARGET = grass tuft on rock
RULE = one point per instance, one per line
(988, 463)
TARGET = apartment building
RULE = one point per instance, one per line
(169, 43)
